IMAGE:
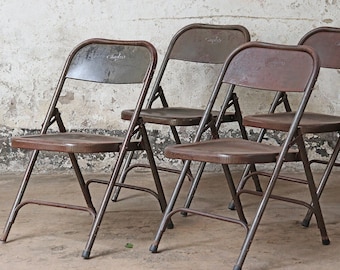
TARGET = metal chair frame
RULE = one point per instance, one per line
(325, 41)
(260, 66)
(101, 61)
(196, 43)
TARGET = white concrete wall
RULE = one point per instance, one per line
(36, 37)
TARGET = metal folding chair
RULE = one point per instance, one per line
(198, 44)
(94, 62)
(264, 67)
(326, 42)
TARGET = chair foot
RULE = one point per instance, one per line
(326, 242)
(305, 222)
(153, 248)
(170, 225)
(231, 205)
(3, 238)
(86, 254)
(184, 214)
(237, 267)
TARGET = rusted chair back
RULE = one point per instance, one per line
(206, 43)
(271, 69)
(326, 42)
(200, 43)
(107, 63)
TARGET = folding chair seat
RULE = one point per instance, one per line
(93, 64)
(200, 45)
(325, 41)
(266, 67)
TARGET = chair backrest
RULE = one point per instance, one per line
(206, 43)
(105, 61)
(326, 42)
(201, 43)
(265, 66)
(272, 67)
(109, 61)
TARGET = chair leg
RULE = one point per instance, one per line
(20, 194)
(154, 246)
(280, 97)
(111, 184)
(100, 214)
(312, 188)
(168, 212)
(313, 191)
(248, 168)
(122, 177)
(323, 181)
(193, 187)
(258, 216)
(233, 192)
(178, 141)
(81, 181)
(244, 134)
(153, 166)
(195, 183)
(106, 198)
(127, 167)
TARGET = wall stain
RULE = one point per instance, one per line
(66, 99)
(14, 160)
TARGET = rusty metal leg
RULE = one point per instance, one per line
(127, 167)
(111, 184)
(81, 181)
(20, 194)
(99, 217)
(249, 168)
(234, 195)
(122, 177)
(154, 246)
(313, 191)
(280, 98)
(323, 180)
(193, 187)
(106, 198)
(160, 191)
(262, 206)
(312, 188)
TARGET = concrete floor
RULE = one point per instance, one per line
(49, 238)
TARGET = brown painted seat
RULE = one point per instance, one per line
(90, 66)
(310, 123)
(266, 67)
(326, 42)
(196, 45)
